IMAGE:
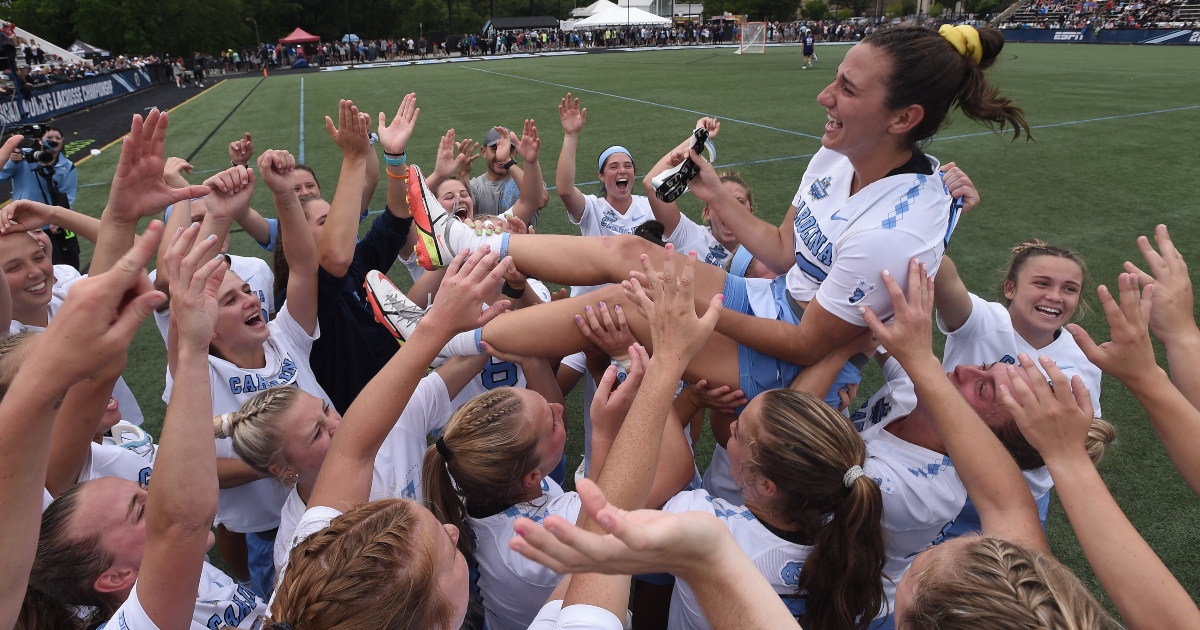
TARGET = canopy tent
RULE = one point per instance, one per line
(299, 36)
(614, 15)
(84, 49)
(591, 9)
(350, 37)
(522, 23)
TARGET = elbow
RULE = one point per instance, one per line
(336, 265)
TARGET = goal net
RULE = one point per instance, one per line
(753, 39)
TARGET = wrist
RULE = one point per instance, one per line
(1187, 339)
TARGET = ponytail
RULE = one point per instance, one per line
(485, 451)
(257, 437)
(928, 70)
(810, 453)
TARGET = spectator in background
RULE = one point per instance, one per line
(53, 184)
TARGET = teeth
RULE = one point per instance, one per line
(1049, 311)
(37, 287)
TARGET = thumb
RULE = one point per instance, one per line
(714, 311)
(382, 120)
(492, 312)
(130, 318)
(604, 389)
(330, 128)
(872, 321)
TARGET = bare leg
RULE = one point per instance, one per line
(549, 330)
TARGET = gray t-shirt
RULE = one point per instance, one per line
(493, 197)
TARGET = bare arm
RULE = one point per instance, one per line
(953, 298)
(74, 427)
(370, 179)
(573, 119)
(394, 138)
(27, 215)
(989, 473)
(533, 190)
(277, 169)
(667, 213)
(340, 234)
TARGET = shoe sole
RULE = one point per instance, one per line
(428, 252)
(380, 316)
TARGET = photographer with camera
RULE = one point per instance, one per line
(40, 172)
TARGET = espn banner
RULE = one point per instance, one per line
(1104, 36)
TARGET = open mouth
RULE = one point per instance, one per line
(1050, 312)
(112, 404)
(255, 321)
(622, 184)
(833, 124)
(37, 288)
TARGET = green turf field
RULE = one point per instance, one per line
(1115, 155)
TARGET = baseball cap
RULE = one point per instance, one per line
(491, 138)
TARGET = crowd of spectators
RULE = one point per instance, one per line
(1110, 14)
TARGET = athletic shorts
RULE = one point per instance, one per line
(760, 372)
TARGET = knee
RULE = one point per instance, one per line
(629, 248)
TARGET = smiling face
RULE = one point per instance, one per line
(239, 316)
(306, 185)
(456, 199)
(306, 430)
(978, 384)
(1045, 294)
(29, 272)
(617, 177)
(855, 103)
(720, 232)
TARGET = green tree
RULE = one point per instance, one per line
(936, 10)
(815, 9)
(845, 14)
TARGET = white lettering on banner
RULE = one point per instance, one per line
(58, 100)
(1195, 39)
(1068, 36)
(10, 113)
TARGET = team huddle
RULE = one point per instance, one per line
(365, 457)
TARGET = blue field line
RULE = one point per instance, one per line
(1078, 122)
(300, 157)
(636, 100)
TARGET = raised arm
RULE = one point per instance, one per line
(533, 189)
(1056, 423)
(999, 492)
(1172, 318)
(953, 298)
(181, 217)
(96, 323)
(1129, 358)
(345, 478)
(75, 425)
(277, 168)
(370, 176)
(137, 191)
(229, 197)
(182, 500)
(394, 138)
(665, 212)
(573, 119)
(340, 234)
(27, 215)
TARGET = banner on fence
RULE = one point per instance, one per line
(1104, 36)
(57, 100)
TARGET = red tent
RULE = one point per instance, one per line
(299, 36)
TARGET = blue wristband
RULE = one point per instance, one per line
(396, 161)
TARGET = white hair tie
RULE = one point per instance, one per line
(226, 426)
(855, 472)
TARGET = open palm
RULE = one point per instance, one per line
(138, 189)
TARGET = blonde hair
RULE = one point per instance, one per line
(994, 584)
(13, 350)
(1100, 435)
(255, 430)
(806, 449)
(1032, 248)
(370, 568)
(491, 449)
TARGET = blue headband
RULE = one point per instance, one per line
(616, 148)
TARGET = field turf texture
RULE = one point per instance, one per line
(1115, 154)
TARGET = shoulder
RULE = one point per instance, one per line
(692, 501)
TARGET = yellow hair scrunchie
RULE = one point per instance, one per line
(965, 40)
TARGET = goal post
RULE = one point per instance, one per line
(753, 38)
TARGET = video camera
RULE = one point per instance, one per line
(32, 148)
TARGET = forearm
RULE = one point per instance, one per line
(181, 216)
(532, 187)
(775, 338)
(540, 378)
(301, 251)
(737, 596)
(256, 226)
(564, 178)
(1183, 357)
(818, 378)
(233, 472)
(951, 297)
(75, 425)
(665, 213)
(183, 497)
(86, 227)
(676, 465)
(114, 237)
(772, 245)
(370, 180)
(1174, 419)
(1133, 576)
(340, 233)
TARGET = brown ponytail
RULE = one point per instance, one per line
(806, 449)
(928, 71)
(490, 450)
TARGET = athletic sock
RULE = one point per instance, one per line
(465, 344)
(461, 236)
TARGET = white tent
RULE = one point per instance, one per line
(614, 15)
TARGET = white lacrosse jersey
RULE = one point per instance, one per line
(844, 242)
(779, 561)
(599, 218)
(220, 603)
(922, 495)
(255, 507)
(397, 470)
(691, 236)
(311, 521)
(513, 587)
(896, 399)
(105, 460)
(718, 482)
(253, 271)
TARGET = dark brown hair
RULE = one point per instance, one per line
(806, 448)
(1033, 247)
(928, 71)
(65, 569)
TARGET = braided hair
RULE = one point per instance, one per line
(257, 437)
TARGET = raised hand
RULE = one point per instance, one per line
(530, 144)
(447, 155)
(607, 332)
(572, 117)
(1172, 316)
(1130, 354)
(503, 149)
(138, 189)
(173, 172)
(910, 335)
(609, 406)
(960, 185)
(711, 125)
(468, 152)
(667, 300)
(723, 398)
(278, 170)
(351, 132)
(195, 279)
(394, 137)
(231, 191)
(240, 151)
(1055, 421)
(472, 279)
(25, 215)
(705, 186)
